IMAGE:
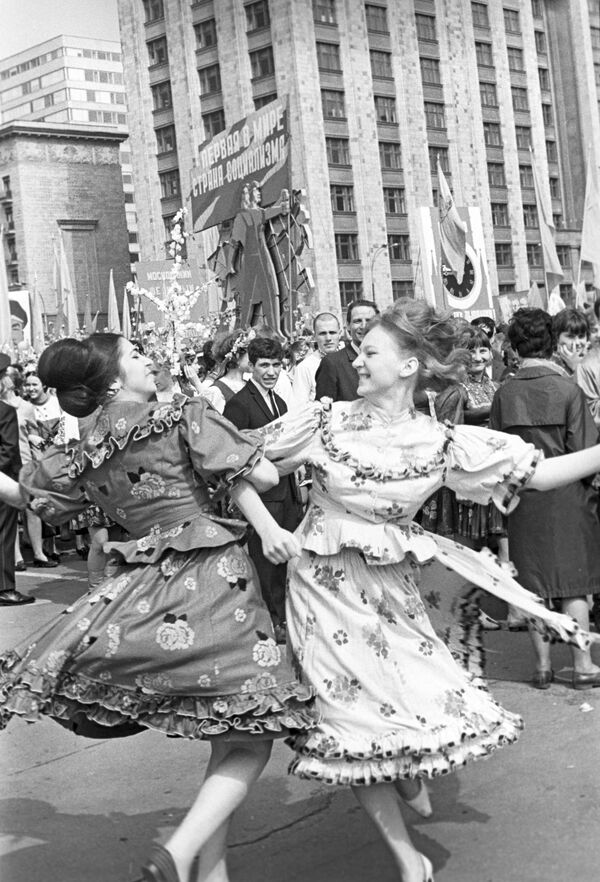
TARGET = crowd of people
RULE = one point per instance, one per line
(297, 542)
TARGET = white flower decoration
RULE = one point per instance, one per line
(175, 635)
(266, 681)
(143, 607)
(83, 624)
(121, 425)
(232, 568)
(105, 675)
(266, 653)
(54, 661)
(154, 683)
(240, 615)
(220, 706)
(233, 457)
(190, 584)
(204, 680)
(195, 427)
(211, 532)
(113, 632)
(120, 514)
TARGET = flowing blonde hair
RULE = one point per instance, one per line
(429, 336)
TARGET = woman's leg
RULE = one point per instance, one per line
(380, 803)
(97, 558)
(541, 645)
(233, 768)
(34, 529)
(578, 609)
(18, 553)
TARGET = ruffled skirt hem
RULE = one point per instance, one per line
(274, 712)
(399, 755)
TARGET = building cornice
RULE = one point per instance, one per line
(61, 132)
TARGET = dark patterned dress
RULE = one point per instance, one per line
(178, 640)
(380, 615)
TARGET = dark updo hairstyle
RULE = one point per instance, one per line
(81, 371)
(530, 333)
(430, 337)
(473, 337)
(569, 321)
(230, 350)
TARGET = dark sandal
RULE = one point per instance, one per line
(160, 867)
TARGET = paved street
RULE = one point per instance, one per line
(76, 810)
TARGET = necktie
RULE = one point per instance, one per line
(274, 407)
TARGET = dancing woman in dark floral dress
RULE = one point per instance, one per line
(178, 640)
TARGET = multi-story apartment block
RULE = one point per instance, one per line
(74, 80)
(378, 91)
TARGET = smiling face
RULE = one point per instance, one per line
(382, 365)
(136, 373)
(480, 358)
(34, 390)
(265, 372)
(359, 319)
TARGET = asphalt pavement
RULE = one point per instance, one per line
(79, 810)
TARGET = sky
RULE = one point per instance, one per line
(24, 23)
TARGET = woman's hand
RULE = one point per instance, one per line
(571, 353)
(42, 506)
(279, 545)
(191, 375)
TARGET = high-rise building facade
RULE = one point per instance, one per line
(73, 80)
(378, 91)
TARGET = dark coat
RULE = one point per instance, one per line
(553, 537)
(10, 458)
(247, 409)
(335, 377)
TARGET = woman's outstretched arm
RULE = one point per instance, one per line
(10, 492)
(560, 470)
(279, 545)
(263, 476)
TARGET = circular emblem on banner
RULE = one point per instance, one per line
(465, 294)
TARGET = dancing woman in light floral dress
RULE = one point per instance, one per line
(381, 615)
(178, 640)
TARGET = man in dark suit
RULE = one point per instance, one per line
(10, 463)
(336, 376)
(255, 405)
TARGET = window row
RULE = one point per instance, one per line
(520, 98)
(497, 178)
(80, 74)
(492, 135)
(353, 290)
(342, 199)
(390, 157)
(398, 247)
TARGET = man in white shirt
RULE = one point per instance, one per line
(326, 331)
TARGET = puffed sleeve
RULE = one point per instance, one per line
(484, 465)
(51, 480)
(288, 440)
(215, 446)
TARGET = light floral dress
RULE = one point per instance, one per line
(382, 616)
(178, 640)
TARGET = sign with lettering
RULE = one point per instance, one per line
(156, 276)
(254, 149)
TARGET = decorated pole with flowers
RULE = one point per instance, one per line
(164, 344)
